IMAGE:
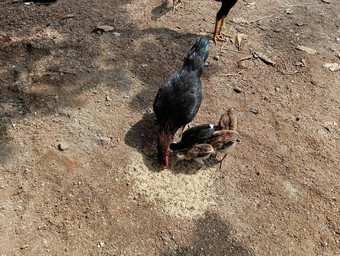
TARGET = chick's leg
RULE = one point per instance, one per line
(221, 161)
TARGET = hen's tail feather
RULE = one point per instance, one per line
(197, 55)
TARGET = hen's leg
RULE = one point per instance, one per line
(218, 34)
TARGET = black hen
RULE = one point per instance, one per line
(179, 98)
(195, 135)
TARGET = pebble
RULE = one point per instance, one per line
(237, 90)
(108, 98)
(117, 34)
(326, 1)
(289, 11)
(216, 57)
(306, 49)
(254, 110)
(63, 146)
(24, 246)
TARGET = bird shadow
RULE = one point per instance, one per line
(160, 11)
(212, 236)
(144, 131)
(141, 133)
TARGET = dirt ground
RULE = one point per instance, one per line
(76, 111)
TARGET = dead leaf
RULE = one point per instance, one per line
(103, 28)
(306, 49)
(264, 58)
(332, 66)
(149, 150)
(238, 40)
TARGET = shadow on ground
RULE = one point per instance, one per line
(160, 11)
(45, 74)
(212, 237)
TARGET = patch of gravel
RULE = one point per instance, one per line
(177, 195)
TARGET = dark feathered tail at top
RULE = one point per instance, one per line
(198, 55)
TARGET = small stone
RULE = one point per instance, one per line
(144, 65)
(237, 90)
(63, 146)
(326, 1)
(254, 110)
(324, 244)
(332, 66)
(306, 49)
(108, 98)
(105, 140)
(289, 11)
(301, 63)
(216, 57)
(117, 34)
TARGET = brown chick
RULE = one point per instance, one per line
(223, 141)
(198, 152)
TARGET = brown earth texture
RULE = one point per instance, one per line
(76, 112)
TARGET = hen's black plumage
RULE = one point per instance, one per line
(179, 98)
(195, 135)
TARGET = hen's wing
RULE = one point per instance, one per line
(178, 100)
